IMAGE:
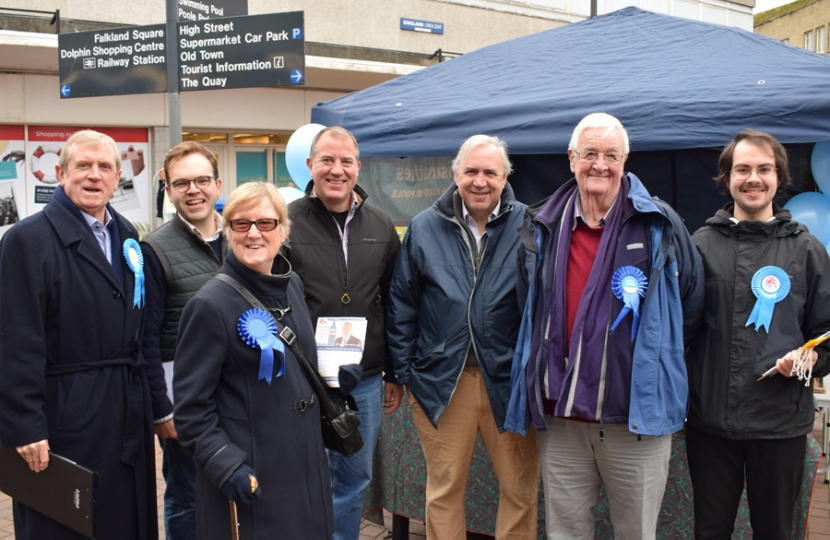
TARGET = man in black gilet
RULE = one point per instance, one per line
(179, 257)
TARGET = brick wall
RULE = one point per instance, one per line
(795, 19)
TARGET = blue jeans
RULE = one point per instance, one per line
(351, 475)
(180, 495)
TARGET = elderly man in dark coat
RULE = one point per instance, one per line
(71, 371)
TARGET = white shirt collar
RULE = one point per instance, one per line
(216, 219)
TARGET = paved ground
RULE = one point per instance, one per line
(369, 531)
(818, 524)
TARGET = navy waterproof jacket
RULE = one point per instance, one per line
(440, 306)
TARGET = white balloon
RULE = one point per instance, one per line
(290, 194)
(297, 150)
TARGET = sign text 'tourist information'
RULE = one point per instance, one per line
(230, 52)
(242, 52)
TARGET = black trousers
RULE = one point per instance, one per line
(773, 468)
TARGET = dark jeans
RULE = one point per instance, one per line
(774, 473)
(180, 496)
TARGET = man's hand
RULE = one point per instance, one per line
(392, 396)
(36, 455)
(166, 430)
(784, 365)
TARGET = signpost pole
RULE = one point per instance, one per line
(174, 109)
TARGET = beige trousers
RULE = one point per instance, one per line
(449, 451)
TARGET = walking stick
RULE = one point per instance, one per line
(234, 522)
(234, 516)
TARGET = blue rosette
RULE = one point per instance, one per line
(770, 285)
(135, 261)
(257, 329)
(629, 285)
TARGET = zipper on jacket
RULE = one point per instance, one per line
(345, 299)
(651, 263)
(467, 239)
(469, 311)
(605, 345)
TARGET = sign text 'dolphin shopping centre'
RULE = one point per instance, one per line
(232, 52)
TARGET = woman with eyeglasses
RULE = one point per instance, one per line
(244, 407)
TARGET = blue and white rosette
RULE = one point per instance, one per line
(135, 261)
(257, 329)
(770, 285)
(629, 284)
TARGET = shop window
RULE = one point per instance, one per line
(281, 175)
(205, 138)
(251, 167)
(260, 138)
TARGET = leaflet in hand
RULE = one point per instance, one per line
(339, 341)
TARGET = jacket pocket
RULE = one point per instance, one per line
(423, 361)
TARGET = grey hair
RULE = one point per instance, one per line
(599, 120)
(477, 141)
(87, 138)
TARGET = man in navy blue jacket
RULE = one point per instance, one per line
(71, 371)
(452, 326)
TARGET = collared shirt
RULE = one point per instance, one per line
(344, 231)
(471, 222)
(102, 232)
(217, 219)
(579, 215)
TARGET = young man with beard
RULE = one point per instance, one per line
(767, 293)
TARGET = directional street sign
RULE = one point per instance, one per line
(198, 10)
(242, 52)
(129, 60)
(229, 52)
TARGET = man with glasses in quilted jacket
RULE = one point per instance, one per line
(180, 257)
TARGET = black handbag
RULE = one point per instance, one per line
(339, 422)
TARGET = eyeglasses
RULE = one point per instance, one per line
(612, 158)
(182, 185)
(764, 172)
(262, 225)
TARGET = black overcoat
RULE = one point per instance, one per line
(224, 416)
(71, 370)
